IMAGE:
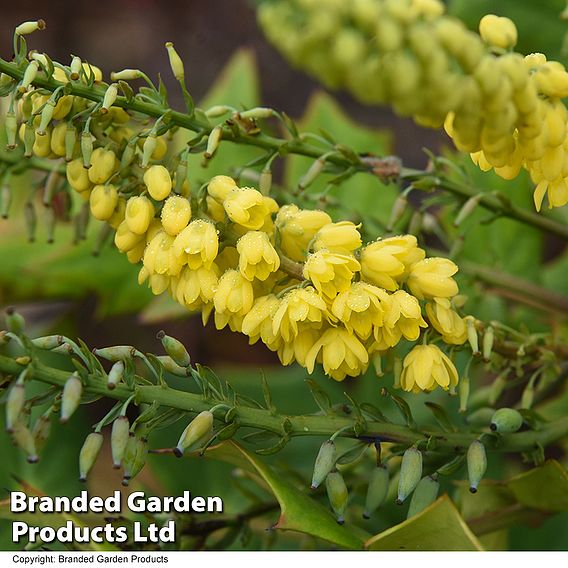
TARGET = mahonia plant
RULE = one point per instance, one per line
(304, 285)
(504, 109)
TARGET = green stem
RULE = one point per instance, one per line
(309, 425)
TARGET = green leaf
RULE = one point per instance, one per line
(320, 396)
(299, 512)
(441, 416)
(544, 488)
(438, 527)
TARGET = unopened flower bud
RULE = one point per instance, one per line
(175, 349)
(397, 211)
(172, 367)
(480, 417)
(126, 75)
(265, 181)
(528, 396)
(86, 149)
(158, 181)
(46, 117)
(467, 209)
(50, 188)
(415, 225)
(116, 353)
(213, 142)
(115, 375)
(72, 391)
(472, 334)
(29, 75)
(217, 111)
(425, 494)
(29, 138)
(11, 124)
(497, 387)
(70, 141)
(463, 390)
(15, 404)
(128, 155)
(103, 201)
(410, 473)
(476, 464)
(376, 491)
(175, 62)
(26, 28)
(25, 440)
(197, 432)
(397, 372)
(5, 200)
(30, 219)
(50, 221)
(110, 97)
(134, 457)
(120, 435)
(506, 420)
(89, 453)
(15, 322)
(488, 339)
(41, 430)
(76, 66)
(220, 186)
(325, 462)
(257, 112)
(337, 494)
(148, 149)
(313, 172)
(48, 342)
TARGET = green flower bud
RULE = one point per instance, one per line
(11, 125)
(313, 172)
(325, 462)
(497, 387)
(425, 494)
(116, 353)
(528, 396)
(217, 111)
(415, 225)
(50, 188)
(481, 416)
(175, 62)
(41, 430)
(126, 75)
(377, 490)
(86, 149)
(181, 174)
(25, 440)
(468, 208)
(120, 434)
(15, 322)
(128, 155)
(488, 339)
(76, 66)
(29, 27)
(134, 457)
(197, 432)
(15, 404)
(72, 391)
(476, 464)
(115, 374)
(148, 149)
(48, 342)
(265, 182)
(46, 117)
(257, 112)
(110, 97)
(5, 200)
(397, 211)
(337, 494)
(89, 453)
(472, 334)
(410, 473)
(29, 138)
(29, 75)
(172, 367)
(506, 420)
(50, 220)
(463, 391)
(175, 349)
(70, 141)
(213, 142)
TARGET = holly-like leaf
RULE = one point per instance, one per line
(438, 527)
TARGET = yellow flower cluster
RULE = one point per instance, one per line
(304, 285)
(504, 109)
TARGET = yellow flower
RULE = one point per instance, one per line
(220, 186)
(385, 263)
(246, 207)
(176, 214)
(432, 278)
(340, 352)
(160, 257)
(257, 257)
(301, 305)
(124, 239)
(426, 367)
(103, 164)
(196, 287)
(77, 175)
(198, 243)
(139, 214)
(361, 308)
(298, 349)
(234, 294)
(158, 182)
(257, 324)
(330, 272)
(338, 237)
(103, 201)
(446, 321)
(297, 228)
